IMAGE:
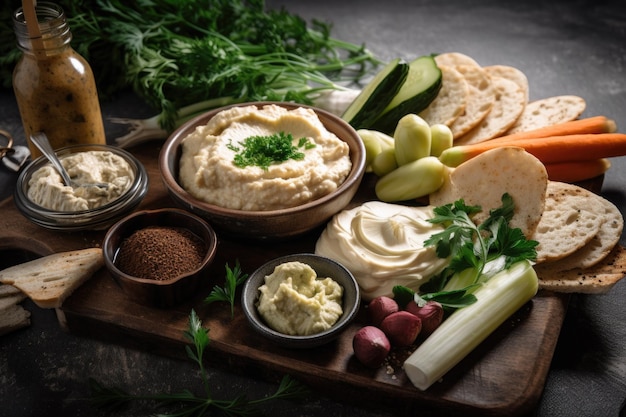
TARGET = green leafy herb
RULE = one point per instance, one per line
(175, 53)
(263, 151)
(234, 278)
(188, 404)
(474, 246)
(472, 250)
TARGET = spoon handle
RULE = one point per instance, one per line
(41, 142)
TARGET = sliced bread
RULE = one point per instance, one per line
(49, 280)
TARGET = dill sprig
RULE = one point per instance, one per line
(188, 404)
(176, 53)
(227, 293)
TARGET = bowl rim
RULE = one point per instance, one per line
(118, 226)
(173, 142)
(81, 219)
(250, 296)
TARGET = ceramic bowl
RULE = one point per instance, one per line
(98, 218)
(265, 225)
(324, 267)
(156, 292)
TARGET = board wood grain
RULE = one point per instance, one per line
(505, 375)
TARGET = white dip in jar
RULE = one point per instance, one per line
(46, 187)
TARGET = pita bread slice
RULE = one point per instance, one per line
(479, 101)
(572, 216)
(598, 279)
(549, 111)
(508, 105)
(9, 291)
(451, 99)
(598, 247)
(49, 280)
(453, 59)
(510, 73)
(483, 180)
(12, 318)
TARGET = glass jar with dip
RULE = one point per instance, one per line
(54, 86)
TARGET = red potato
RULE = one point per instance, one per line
(381, 307)
(402, 328)
(371, 346)
(431, 315)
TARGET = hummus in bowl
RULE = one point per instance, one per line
(213, 166)
(263, 158)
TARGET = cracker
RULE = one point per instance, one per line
(453, 59)
(508, 105)
(571, 218)
(485, 178)
(549, 111)
(597, 279)
(451, 99)
(599, 246)
(479, 101)
(510, 73)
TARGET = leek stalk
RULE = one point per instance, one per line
(497, 299)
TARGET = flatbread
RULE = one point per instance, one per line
(508, 105)
(479, 101)
(9, 291)
(549, 111)
(453, 59)
(510, 73)
(49, 280)
(598, 279)
(451, 99)
(598, 247)
(571, 218)
(13, 318)
(485, 178)
(12, 315)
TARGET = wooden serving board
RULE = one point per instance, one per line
(504, 376)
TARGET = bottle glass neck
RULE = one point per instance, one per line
(55, 32)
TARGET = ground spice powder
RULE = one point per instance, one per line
(160, 253)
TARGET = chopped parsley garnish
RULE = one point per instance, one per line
(263, 151)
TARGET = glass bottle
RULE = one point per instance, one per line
(54, 86)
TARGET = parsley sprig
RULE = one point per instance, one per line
(188, 404)
(263, 151)
(234, 278)
(476, 251)
(474, 246)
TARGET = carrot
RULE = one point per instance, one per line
(578, 170)
(549, 149)
(594, 124)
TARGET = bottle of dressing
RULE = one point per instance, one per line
(54, 86)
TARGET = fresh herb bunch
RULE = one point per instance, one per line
(234, 278)
(262, 151)
(476, 252)
(173, 53)
(187, 404)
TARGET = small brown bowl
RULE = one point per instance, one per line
(265, 225)
(154, 292)
(324, 267)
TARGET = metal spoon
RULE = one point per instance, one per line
(43, 144)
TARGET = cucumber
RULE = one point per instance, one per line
(376, 95)
(420, 88)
